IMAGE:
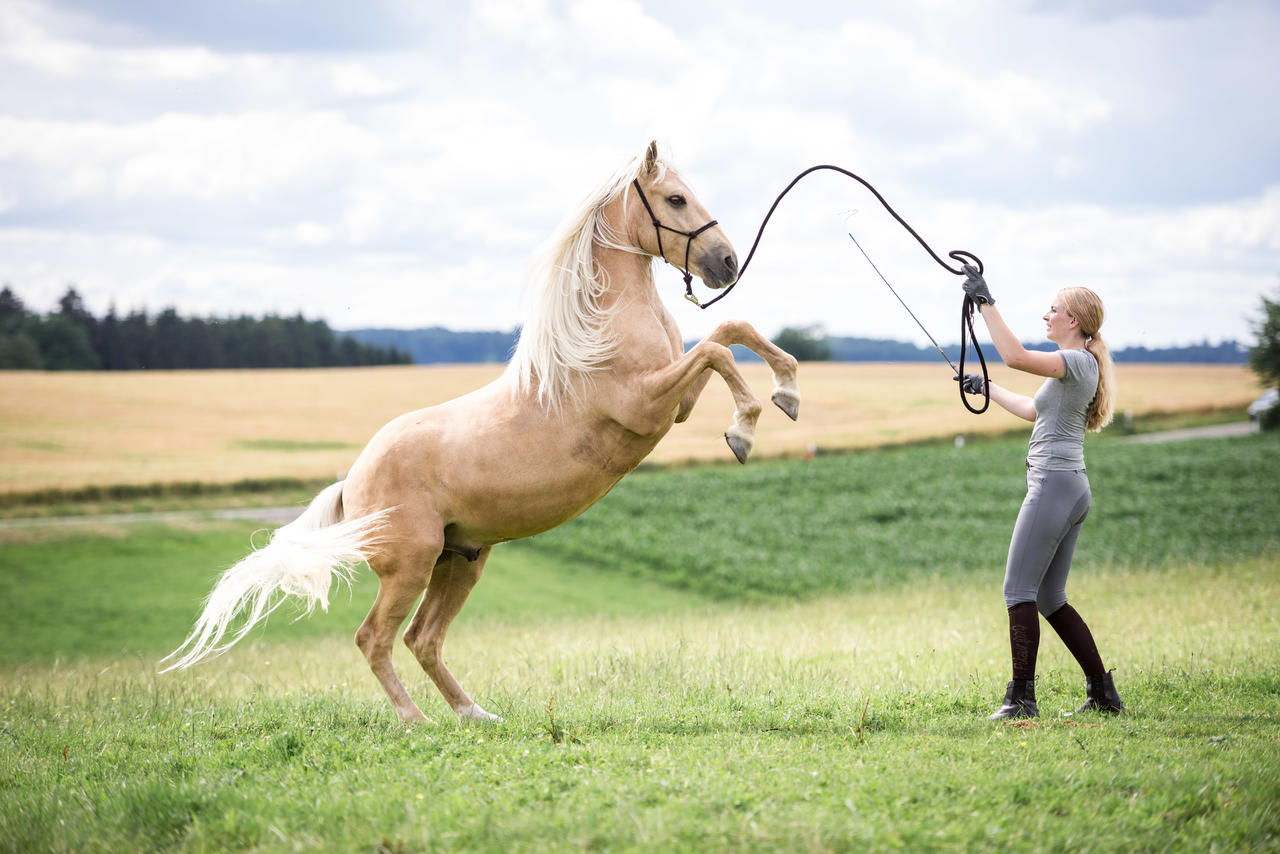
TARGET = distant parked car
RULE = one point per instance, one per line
(1268, 399)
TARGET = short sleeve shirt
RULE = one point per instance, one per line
(1062, 406)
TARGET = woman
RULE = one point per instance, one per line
(1076, 396)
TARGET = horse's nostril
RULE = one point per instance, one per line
(731, 264)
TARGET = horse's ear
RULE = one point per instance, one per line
(651, 158)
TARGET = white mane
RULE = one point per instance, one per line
(566, 335)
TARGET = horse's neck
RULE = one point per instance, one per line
(638, 323)
(629, 287)
(645, 331)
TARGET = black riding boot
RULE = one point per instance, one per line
(1101, 696)
(1019, 701)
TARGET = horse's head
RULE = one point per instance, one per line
(669, 222)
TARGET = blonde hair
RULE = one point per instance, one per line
(566, 335)
(1086, 307)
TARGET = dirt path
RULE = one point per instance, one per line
(1213, 431)
(273, 516)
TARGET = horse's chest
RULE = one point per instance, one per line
(604, 453)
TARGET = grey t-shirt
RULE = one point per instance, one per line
(1062, 406)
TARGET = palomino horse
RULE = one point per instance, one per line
(598, 378)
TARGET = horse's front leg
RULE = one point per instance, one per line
(786, 390)
(669, 388)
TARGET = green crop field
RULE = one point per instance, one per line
(787, 656)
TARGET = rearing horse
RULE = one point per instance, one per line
(597, 379)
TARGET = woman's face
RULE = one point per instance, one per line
(1059, 325)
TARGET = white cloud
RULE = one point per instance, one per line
(613, 29)
(30, 40)
(356, 79)
(312, 233)
(181, 156)
(411, 185)
(528, 22)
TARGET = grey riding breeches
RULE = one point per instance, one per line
(1044, 538)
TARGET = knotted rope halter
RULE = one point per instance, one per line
(659, 227)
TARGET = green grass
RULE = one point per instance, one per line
(843, 723)
(817, 680)
(72, 593)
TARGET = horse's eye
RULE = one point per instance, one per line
(676, 201)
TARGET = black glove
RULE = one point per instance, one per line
(971, 383)
(976, 286)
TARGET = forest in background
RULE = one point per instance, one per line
(73, 339)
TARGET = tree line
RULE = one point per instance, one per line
(811, 343)
(438, 345)
(73, 339)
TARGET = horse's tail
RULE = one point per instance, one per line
(301, 559)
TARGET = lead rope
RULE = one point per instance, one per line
(966, 309)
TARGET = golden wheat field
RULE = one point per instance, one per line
(67, 430)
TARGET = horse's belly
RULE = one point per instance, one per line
(513, 510)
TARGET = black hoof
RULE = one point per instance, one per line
(788, 402)
(740, 449)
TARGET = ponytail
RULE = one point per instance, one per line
(1102, 405)
(1086, 307)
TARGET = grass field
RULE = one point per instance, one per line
(788, 656)
(70, 430)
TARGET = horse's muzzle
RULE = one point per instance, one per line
(718, 266)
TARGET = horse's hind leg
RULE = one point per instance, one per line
(401, 581)
(451, 583)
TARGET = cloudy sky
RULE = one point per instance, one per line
(394, 163)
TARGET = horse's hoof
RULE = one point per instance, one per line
(475, 713)
(788, 402)
(741, 447)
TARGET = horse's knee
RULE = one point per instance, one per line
(730, 330)
(717, 354)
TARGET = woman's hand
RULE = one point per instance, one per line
(976, 286)
(971, 383)
(1017, 404)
